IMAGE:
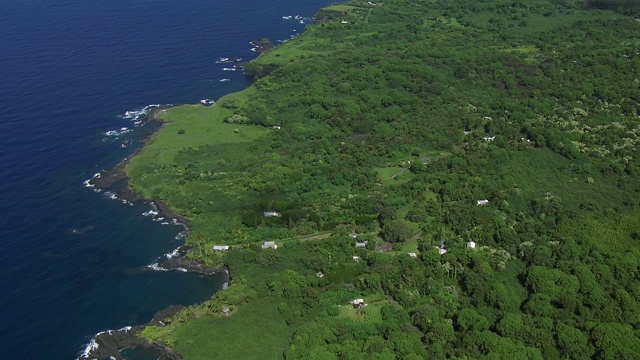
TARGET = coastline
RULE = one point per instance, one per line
(108, 344)
(117, 180)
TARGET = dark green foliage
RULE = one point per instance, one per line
(396, 124)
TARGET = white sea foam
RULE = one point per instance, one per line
(91, 346)
(207, 101)
(117, 133)
(113, 196)
(225, 80)
(156, 267)
(229, 69)
(288, 17)
(137, 115)
(172, 254)
(88, 183)
(93, 343)
(226, 60)
(150, 213)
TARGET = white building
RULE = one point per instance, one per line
(269, 214)
(269, 245)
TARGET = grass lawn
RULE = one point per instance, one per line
(371, 312)
(189, 126)
(410, 246)
(214, 337)
(201, 124)
(340, 8)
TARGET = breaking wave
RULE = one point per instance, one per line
(93, 343)
(113, 196)
(87, 183)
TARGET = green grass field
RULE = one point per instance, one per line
(202, 125)
(255, 331)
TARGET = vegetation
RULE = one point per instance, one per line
(496, 140)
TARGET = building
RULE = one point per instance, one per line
(357, 303)
(269, 245)
(413, 255)
(482, 202)
(269, 214)
(220, 247)
(442, 251)
(225, 311)
(361, 244)
(471, 245)
(356, 258)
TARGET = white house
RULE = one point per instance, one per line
(357, 303)
(489, 138)
(356, 258)
(482, 202)
(220, 247)
(471, 245)
(413, 255)
(269, 214)
(361, 244)
(269, 245)
(442, 251)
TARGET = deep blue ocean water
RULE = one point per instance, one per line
(73, 262)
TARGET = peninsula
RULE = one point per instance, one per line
(411, 180)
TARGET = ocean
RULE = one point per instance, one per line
(73, 77)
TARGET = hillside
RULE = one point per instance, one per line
(497, 141)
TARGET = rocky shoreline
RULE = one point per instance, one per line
(116, 179)
(108, 344)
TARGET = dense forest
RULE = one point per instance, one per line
(468, 169)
